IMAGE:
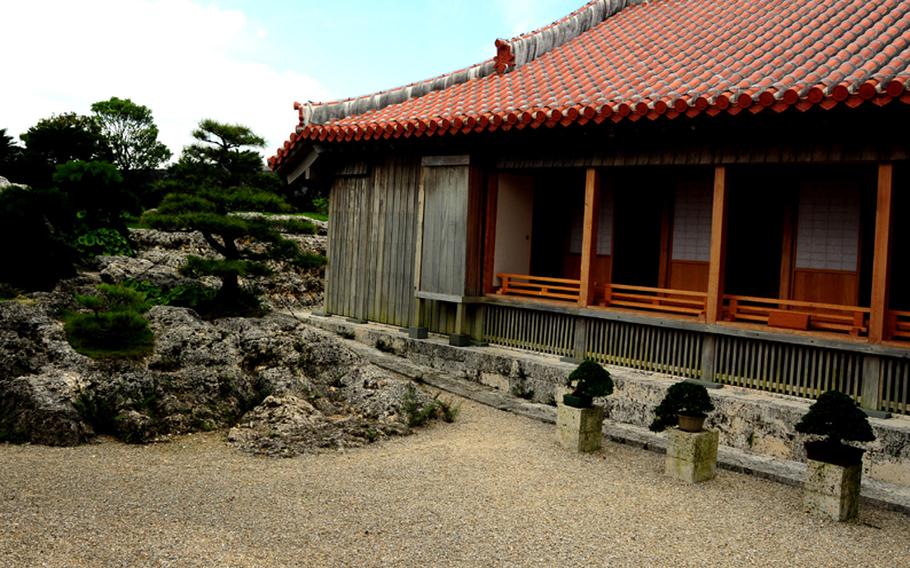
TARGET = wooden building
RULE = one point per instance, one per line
(713, 190)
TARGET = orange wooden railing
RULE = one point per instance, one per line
(796, 314)
(539, 286)
(666, 300)
(898, 325)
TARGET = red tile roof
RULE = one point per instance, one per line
(664, 58)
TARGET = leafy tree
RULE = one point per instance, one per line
(60, 139)
(96, 193)
(34, 225)
(10, 153)
(131, 134)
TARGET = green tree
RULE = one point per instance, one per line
(60, 139)
(205, 197)
(96, 193)
(131, 134)
(225, 152)
(35, 226)
(9, 152)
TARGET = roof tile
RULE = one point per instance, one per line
(669, 58)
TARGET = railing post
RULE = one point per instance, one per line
(871, 389)
(480, 313)
(714, 303)
(580, 344)
(461, 337)
(589, 235)
(881, 255)
(708, 351)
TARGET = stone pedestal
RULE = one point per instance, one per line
(579, 429)
(691, 456)
(832, 490)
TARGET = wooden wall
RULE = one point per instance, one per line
(372, 244)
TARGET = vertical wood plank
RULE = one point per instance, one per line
(881, 254)
(589, 235)
(718, 246)
(490, 232)
(418, 250)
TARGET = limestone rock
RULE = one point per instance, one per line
(288, 426)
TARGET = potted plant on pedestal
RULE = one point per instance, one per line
(691, 450)
(579, 422)
(834, 468)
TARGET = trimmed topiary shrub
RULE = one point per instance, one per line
(115, 327)
(588, 381)
(688, 399)
(836, 417)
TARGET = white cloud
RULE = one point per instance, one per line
(183, 59)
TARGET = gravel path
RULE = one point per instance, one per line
(492, 489)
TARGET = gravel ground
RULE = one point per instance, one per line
(492, 489)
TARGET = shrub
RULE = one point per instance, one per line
(449, 411)
(589, 380)
(109, 334)
(103, 242)
(321, 205)
(34, 224)
(685, 398)
(416, 414)
(7, 292)
(183, 295)
(115, 327)
(294, 226)
(836, 417)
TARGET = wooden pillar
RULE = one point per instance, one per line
(666, 210)
(881, 255)
(489, 232)
(708, 357)
(418, 328)
(787, 248)
(461, 337)
(870, 397)
(718, 247)
(589, 238)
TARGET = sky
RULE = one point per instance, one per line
(238, 61)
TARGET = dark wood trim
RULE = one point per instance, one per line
(489, 234)
(787, 254)
(441, 161)
(717, 256)
(589, 235)
(666, 238)
(881, 255)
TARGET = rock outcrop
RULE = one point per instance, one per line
(287, 387)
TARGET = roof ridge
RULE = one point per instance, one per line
(511, 54)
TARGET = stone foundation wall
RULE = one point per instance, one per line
(754, 421)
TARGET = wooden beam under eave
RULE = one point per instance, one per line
(717, 258)
(881, 255)
(489, 233)
(589, 236)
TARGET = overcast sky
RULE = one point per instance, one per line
(243, 61)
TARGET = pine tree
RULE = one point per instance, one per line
(206, 204)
